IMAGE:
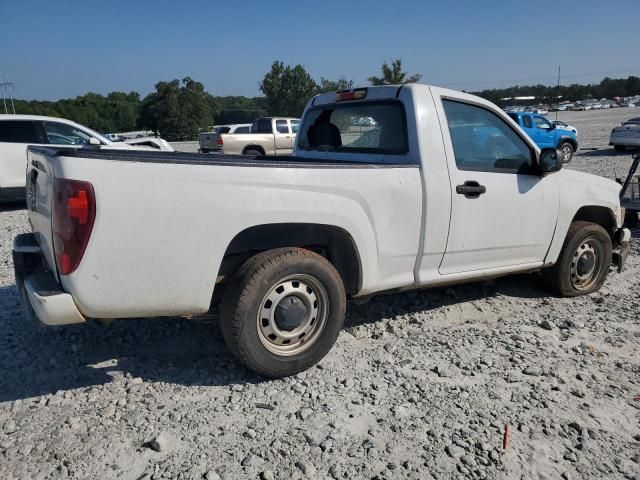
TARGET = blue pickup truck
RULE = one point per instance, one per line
(545, 134)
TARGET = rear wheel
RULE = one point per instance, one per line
(567, 152)
(253, 152)
(619, 148)
(583, 264)
(282, 311)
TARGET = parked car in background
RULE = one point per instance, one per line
(564, 126)
(19, 131)
(155, 143)
(420, 197)
(268, 136)
(209, 140)
(545, 133)
(626, 135)
(114, 137)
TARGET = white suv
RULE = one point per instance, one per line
(18, 131)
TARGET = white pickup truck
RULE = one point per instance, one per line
(389, 188)
(268, 136)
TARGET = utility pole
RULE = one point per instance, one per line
(558, 90)
(8, 87)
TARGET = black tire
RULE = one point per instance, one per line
(567, 151)
(619, 148)
(245, 302)
(562, 279)
(253, 152)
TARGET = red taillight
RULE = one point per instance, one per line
(74, 210)
(357, 94)
(219, 141)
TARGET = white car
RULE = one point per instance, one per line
(626, 135)
(441, 188)
(19, 131)
(565, 126)
(154, 143)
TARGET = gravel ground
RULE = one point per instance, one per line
(419, 385)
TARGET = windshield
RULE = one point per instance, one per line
(363, 127)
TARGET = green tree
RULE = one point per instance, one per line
(333, 86)
(178, 111)
(393, 75)
(287, 89)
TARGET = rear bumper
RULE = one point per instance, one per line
(627, 141)
(42, 296)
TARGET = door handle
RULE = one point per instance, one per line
(471, 189)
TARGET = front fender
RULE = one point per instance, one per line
(578, 190)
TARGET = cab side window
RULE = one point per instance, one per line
(526, 121)
(18, 131)
(484, 142)
(541, 122)
(282, 126)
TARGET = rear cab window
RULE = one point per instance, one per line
(262, 125)
(376, 127)
(19, 131)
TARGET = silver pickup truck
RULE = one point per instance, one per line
(269, 136)
(209, 140)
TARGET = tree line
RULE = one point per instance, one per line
(179, 109)
(607, 88)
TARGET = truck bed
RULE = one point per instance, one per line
(280, 161)
(173, 216)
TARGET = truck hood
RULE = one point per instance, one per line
(590, 181)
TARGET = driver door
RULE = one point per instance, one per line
(543, 132)
(503, 213)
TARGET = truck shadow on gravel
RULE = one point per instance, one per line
(39, 361)
(12, 206)
(605, 152)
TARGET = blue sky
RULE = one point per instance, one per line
(55, 50)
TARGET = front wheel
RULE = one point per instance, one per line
(583, 264)
(567, 152)
(283, 311)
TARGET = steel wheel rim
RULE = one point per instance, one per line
(566, 152)
(301, 290)
(585, 265)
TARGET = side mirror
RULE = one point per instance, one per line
(550, 160)
(94, 141)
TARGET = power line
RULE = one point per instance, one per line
(548, 77)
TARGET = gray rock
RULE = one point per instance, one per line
(306, 468)
(267, 475)
(10, 427)
(547, 324)
(532, 371)
(162, 442)
(212, 475)
(455, 451)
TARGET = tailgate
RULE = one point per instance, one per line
(209, 140)
(40, 179)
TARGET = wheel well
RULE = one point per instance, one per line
(333, 243)
(569, 140)
(602, 216)
(253, 147)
